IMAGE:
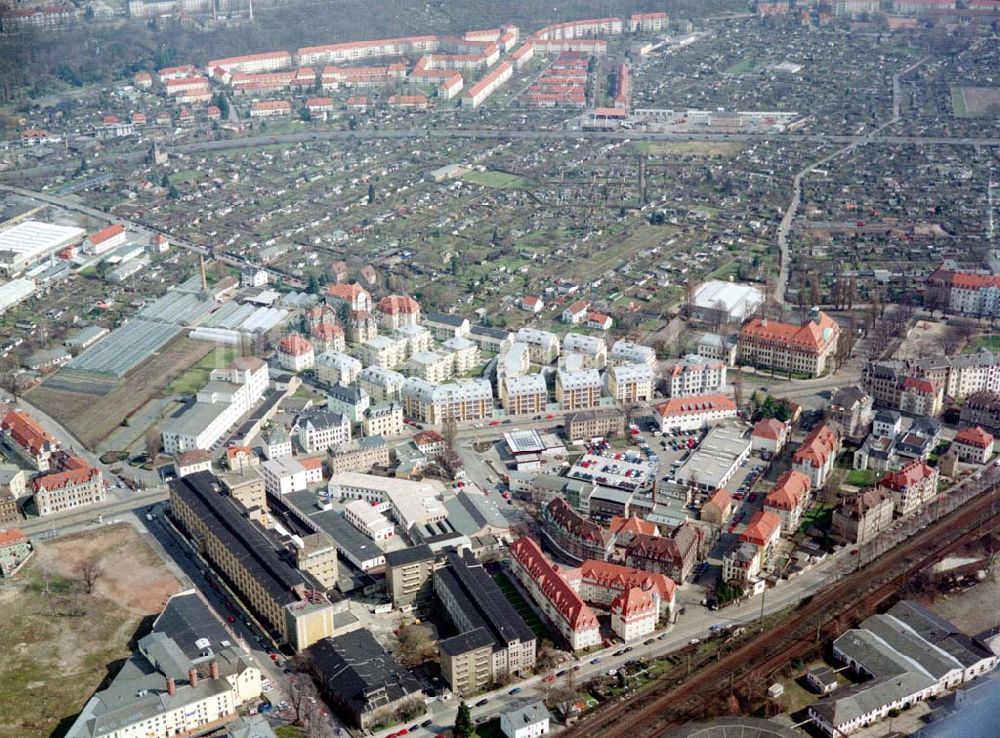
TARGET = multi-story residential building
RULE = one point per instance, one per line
(417, 338)
(246, 487)
(13, 486)
(239, 458)
(973, 445)
(464, 354)
(921, 397)
(77, 486)
(694, 413)
(493, 340)
(787, 499)
(287, 474)
(383, 351)
(229, 395)
(382, 385)
(327, 337)
(395, 311)
(359, 455)
(958, 376)
(769, 435)
(574, 536)
(319, 430)
(634, 614)
(361, 326)
(720, 348)
(982, 409)
(296, 354)
(408, 576)
(543, 346)
(763, 531)
(105, 239)
(368, 520)
(560, 603)
(628, 352)
(694, 375)
(576, 390)
(351, 402)
(852, 409)
(189, 462)
(277, 443)
(288, 600)
(630, 383)
(474, 602)
(445, 325)
(718, 508)
(600, 582)
(334, 367)
(817, 454)
(384, 420)
(912, 487)
(805, 349)
(524, 395)
(347, 297)
(464, 399)
(862, 517)
(528, 721)
(741, 564)
(589, 424)
(432, 366)
(185, 676)
(23, 435)
(965, 293)
(673, 555)
(591, 350)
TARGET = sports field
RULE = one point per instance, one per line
(498, 180)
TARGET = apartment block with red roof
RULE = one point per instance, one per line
(574, 536)
(327, 337)
(718, 509)
(787, 499)
(295, 353)
(817, 454)
(798, 349)
(673, 555)
(770, 435)
(634, 614)
(764, 532)
(270, 108)
(648, 22)
(396, 311)
(694, 413)
(912, 486)
(105, 239)
(353, 296)
(24, 436)
(560, 603)
(600, 582)
(973, 445)
(920, 396)
(15, 549)
(68, 489)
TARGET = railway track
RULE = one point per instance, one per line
(752, 665)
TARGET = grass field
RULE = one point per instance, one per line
(91, 418)
(194, 378)
(862, 477)
(498, 180)
(61, 642)
(975, 102)
(524, 609)
(745, 66)
(958, 103)
(820, 515)
(690, 148)
(991, 342)
(186, 175)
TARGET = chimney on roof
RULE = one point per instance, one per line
(763, 322)
(193, 677)
(213, 670)
(171, 686)
(814, 313)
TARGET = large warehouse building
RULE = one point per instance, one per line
(731, 302)
(28, 243)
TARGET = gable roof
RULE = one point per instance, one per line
(817, 447)
(789, 492)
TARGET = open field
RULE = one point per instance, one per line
(194, 378)
(493, 179)
(991, 342)
(92, 418)
(975, 102)
(61, 642)
(973, 610)
(745, 66)
(691, 148)
(185, 175)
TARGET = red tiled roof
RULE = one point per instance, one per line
(327, 331)
(251, 363)
(398, 304)
(974, 437)
(26, 432)
(920, 385)
(763, 526)
(193, 456)
(575, 524)
(346, 292)
(633, 524)
(789, 492)
(234, 451)
(12, 536)
(105, 233)
(530, 300)
(314, 463)
(427, 437)
(546, 576)
(578, 307)
(634, 602)
(810, 336)
(616, 576)
(294, 345)
(817, 447)
(721, 499)
(65, 478)
(913, 473)
(694, 405)
(769, 428)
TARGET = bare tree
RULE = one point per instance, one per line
(965, 329)
(416, 644)
(449, 431)
(738, 390)
(89, 572)
(154, 443)
(8, 375)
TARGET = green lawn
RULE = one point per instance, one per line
(862, 477)
(522, 607)
(958, 103)
(185, 175)
(820, 515)
(745, 66)
(290, 731)
(497, 180)
(195, 378)
(991, 342)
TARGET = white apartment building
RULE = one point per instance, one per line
(592, 350)
(433, 366)
(287, 474)
(634, 614)
(383, 351)
(320, 430)
(417, 338)
(629, 352)
(68, 489)
(543, 346)
(465, 399)
(366, 518)
(295, 354)
(464, 354)
(514, 362)
(383, 420)
(694, 413)
(530, 721)
(229, 394)
(576, 390)
(630, 382)
(334, 367)
(382, 385)
(695, 375)
(524, 395)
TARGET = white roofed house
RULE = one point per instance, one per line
(578, 389)
(320, 430)
(543, 346)
(335, 367)
(629, 352)
(629, 383)
(592, 350)
(381, 384)
(464, 399)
